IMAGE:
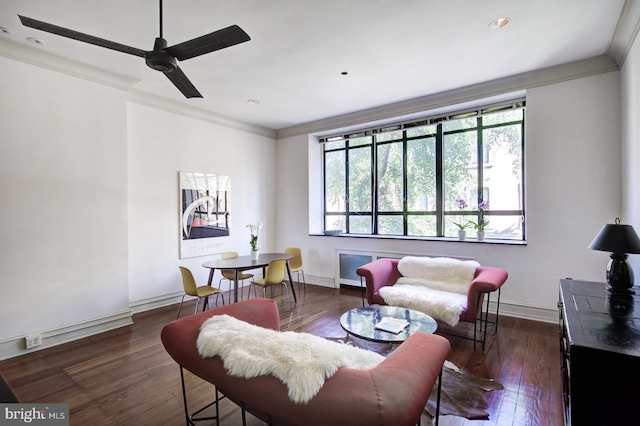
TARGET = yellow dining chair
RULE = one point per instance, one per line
(227, 274)
(274, 276)
(192, 289)
(295, 264)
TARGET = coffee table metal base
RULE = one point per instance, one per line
(361, 323)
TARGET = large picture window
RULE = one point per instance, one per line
(430, 177)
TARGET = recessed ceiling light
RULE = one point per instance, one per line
(4, 30)
(253, 102)
(35, 40)
(344, 73)
(499, 23)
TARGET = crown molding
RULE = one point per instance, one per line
(493, 88)
(175, 107)
(40, 58)
(625, 32)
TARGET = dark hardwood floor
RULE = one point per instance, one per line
(125, 377)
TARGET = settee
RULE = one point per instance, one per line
(394, 392)
(485, 280)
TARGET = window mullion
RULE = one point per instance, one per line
(439, 181)
(346, 187)
(405, 182)
(480, 161)
(374, 185)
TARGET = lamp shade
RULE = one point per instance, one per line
(616, 238)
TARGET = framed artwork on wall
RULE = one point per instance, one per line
(204, 212)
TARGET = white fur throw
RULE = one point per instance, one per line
(441, 305)
(439, 273)
(301, 361)
(436, 286)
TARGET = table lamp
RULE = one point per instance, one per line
(618, 240)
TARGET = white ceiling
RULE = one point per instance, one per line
(393, 51)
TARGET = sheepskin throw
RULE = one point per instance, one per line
(436, 286)
(439, 273)
(440, 305)
(301, 361)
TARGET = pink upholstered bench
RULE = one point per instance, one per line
(394, 393)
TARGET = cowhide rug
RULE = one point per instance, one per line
(462, 395)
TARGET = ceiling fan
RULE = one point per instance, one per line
(161, 58)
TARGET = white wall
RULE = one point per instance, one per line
(63, 186)
(160, 145)
(572, 186)
(90, 214)
(630, 84)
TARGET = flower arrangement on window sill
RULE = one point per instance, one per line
(462, 204)
(481, 223)
(255, 229)
(479, 226)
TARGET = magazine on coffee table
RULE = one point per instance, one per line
(392, 325)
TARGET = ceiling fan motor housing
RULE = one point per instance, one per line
(158, 59)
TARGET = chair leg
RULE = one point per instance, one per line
(486, 322)
(288, 296)
(498, 309)
(191, 418)
(475, 323)
(221, 295)
(196, 310)
(304, 281)
(180, 307)
(438, 398)
(255, 291)
(217, 406)
(184, 398)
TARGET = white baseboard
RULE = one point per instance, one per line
(15, 346)
(143, 305)
(320, 281)
(531, 312)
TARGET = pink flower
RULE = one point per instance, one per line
(462, 204)
(483, 205)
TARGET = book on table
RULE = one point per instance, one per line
(392, 325)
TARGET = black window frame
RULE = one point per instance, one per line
(440, 213)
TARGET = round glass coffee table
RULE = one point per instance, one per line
(361, 323)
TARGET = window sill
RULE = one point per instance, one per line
(435, 239)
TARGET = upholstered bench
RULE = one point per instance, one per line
(392, 393)
(469, 298)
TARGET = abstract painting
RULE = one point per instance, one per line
(204, 212)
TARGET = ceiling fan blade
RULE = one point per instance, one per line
(180, 80)
(65, 32)
(216, 40)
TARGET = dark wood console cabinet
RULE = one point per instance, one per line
(600, 354)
